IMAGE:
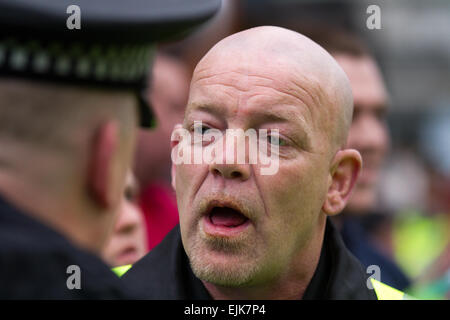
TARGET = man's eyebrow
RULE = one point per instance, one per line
(280, 114)
(216, 110)
(273, 116)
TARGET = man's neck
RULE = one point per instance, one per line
(47, 207)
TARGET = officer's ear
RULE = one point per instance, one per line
(101, 182)
(344, 173)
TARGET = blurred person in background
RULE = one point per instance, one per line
(434, 282)
(168, 95)
(421, 233)
(369, 135)
(128, 242)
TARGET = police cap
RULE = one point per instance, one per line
(104, 43)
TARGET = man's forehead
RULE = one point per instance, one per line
(257, 71)
(234, 87)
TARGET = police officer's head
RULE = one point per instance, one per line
(70, 144)
(71, 97)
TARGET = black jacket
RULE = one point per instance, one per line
(34, 261)
(165, 273)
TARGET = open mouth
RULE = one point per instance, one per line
(226, 217)
(221, 220)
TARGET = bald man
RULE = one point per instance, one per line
(248, 235)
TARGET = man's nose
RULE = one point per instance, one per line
(231, 162)
(231, 171)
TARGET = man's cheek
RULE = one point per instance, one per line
(281, 194)
(294, 192)
(181, 185)
(184, 175)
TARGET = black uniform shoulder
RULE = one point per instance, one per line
(35, 261)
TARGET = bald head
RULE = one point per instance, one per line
(303, 69)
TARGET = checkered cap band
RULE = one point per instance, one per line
(104, 64)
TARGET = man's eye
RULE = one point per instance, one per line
(204, 129)
(276, 140)
(199, 129)
(199, 134)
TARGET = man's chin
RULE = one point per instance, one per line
(227, 266)
(224, 275)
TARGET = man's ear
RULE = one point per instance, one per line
(101, 165)
(345, 170)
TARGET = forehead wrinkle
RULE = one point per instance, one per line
(241, 82)
(248, 82)
(200, 95)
